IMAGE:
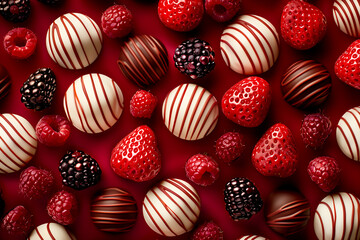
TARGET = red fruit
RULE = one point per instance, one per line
(18, 221)
(116, 21)
(35, 183)
(63, 207)
(53, 130)
(315, 129)
(325, 172)
(20, 43)
(181, 15)
(202, 169)
(302, 24)
(136, 156)
(229, 146)
(275, 153)
(208, 231)
(142, 104)
(222, 10)
(247, 102)
(347, 66)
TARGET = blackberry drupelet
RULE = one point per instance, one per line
(15, 10)
(37, 92)
(194, 58)
(79, 170)
(242, 199)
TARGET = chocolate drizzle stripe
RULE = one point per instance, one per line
(356, 143)
(358, 218)
(26, 130)
(321, 223)
(106, 99)
(119, 95)
(352, 217)
(80, 110)
(345, 138)
(56, 28)
(344, 215)
(203, 116)
(12, 160)
(351, 22)
(341, 12)
(128, 71)
(49, 231)
(151, 216)
(50, 33)
(189, 192)
(223, 52)
(162, 61)
(350, 25)
(232, 50)
(185, 116)
(39, 234)
(179, 106)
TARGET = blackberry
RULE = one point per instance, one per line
(242, 199)
(194, 58)
(79, 170)
(15, 10)
(37, 92)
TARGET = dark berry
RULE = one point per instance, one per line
(15, 10)
(20, 43)
(229, 146)
(18, 221)
(116, 21)
(315, 129)
(35, 183)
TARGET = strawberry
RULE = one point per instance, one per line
(275, 153)
(181, 15)
(136, 156)
(247, 102)
(347, 66)
(302, 24)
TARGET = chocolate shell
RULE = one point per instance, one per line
(114, 210)
(144, 60)
(5, 82)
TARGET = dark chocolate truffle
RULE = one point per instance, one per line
(114, 210)
(287, 212)
(5, 82)
(306, 84)
(144, 60)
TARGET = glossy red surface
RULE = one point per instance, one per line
(175, 151)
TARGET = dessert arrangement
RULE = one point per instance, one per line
(189, 119)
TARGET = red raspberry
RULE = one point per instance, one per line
(208, 231)
(142, 104)
(315, 129)
(35, 183)
(20, 43)
(53, 130)
(325, 172)
(116, 21)
(202, 169)
(229, 146)
(63, 207)
(18, 221)
(222, 10)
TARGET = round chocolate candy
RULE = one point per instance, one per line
(114, 210)
(306, 84)
(5, 82)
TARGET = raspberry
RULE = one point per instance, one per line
(15, 10)
(325, 172)
(53, 130)
(315, 129)
(222, 10)
(35, 183)
(20, 43)
(116, 21)
(208, 231)
(202, 169)
(63, 207)
(18, 221)
(229, 146)
(142, 104)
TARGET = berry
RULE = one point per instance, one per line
(325, 172)
(63, 207)
(202, 169)
(315, 129)
(37, 92)
(116, 21)
(247, 102)
(181, 15)
(20, 43)
(194, 58)
(79, 170)
(275, 153)
(51, 2)
(15, 10)
(136, 156)
(229, 146)
(142, 104)
(208, 231)
(35, 183)
(18, 221)
(242, 199)
(302, 24)
(222, 10)
(53, 130)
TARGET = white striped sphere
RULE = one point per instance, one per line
(190, 112)
(337, 217)
(74, 41)
(172, 207)
(346, 15)
(250, 45)
(93, 103)
(348, 133)
(51, 231)
(18, 142)
(252, 237)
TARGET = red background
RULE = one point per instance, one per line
(175, 151)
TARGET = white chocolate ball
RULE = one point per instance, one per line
(51, 231)
(252, 237)
(346, 15)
